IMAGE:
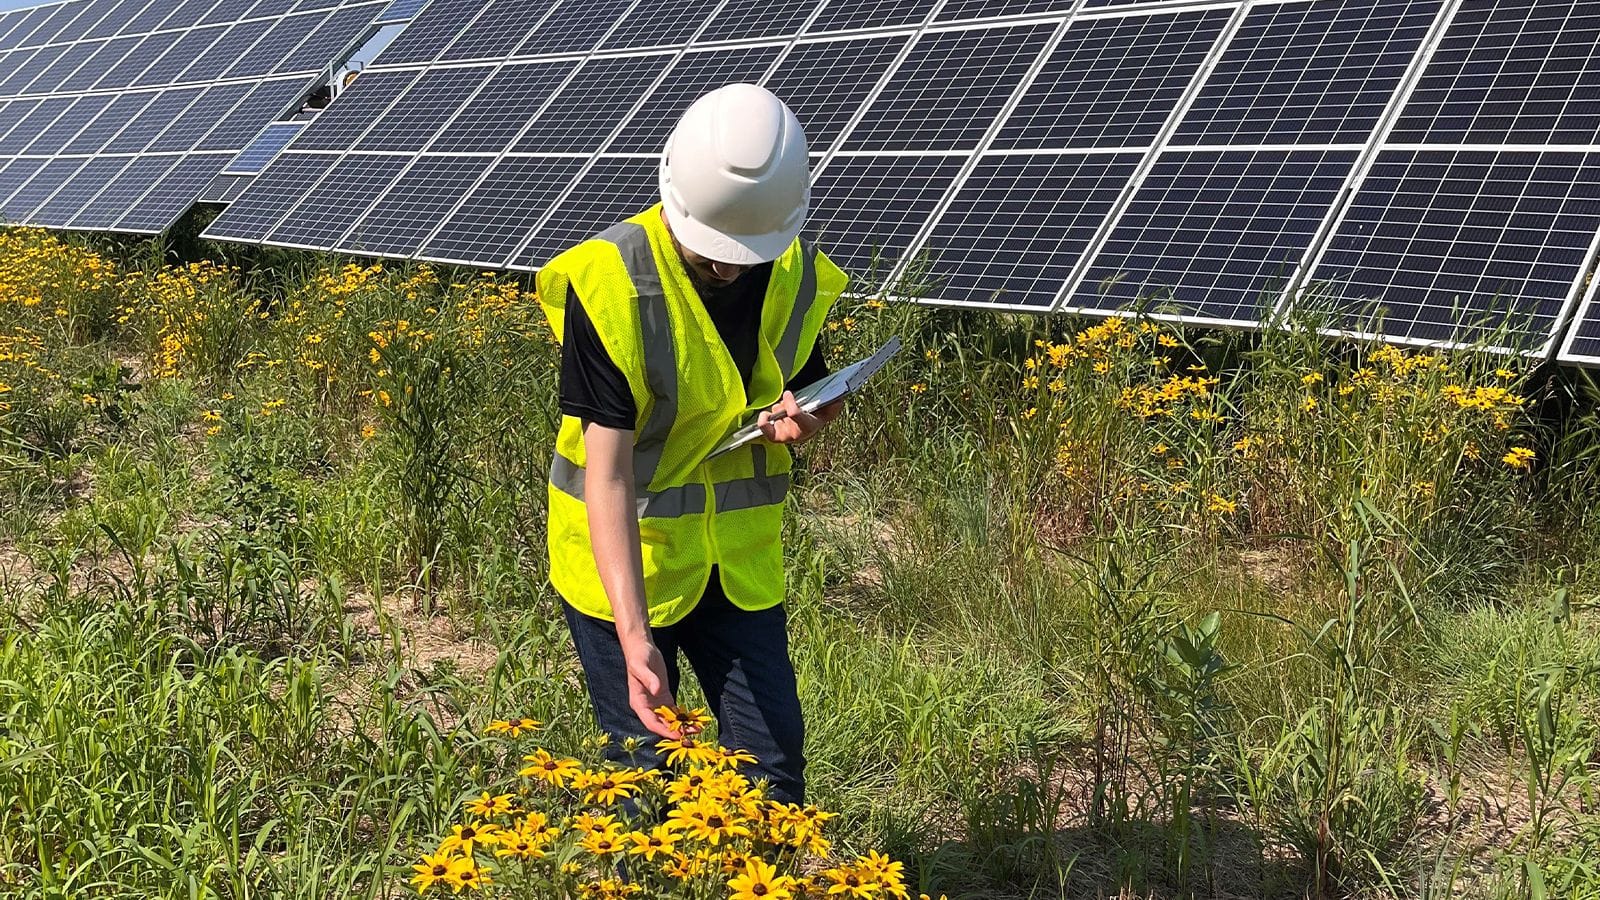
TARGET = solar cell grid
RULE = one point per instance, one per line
(337, 34)
(184, 52)
(34, 121)
(825, 82)
(949, 89)
(8, 25)
(94, 16)
(659, 23)
(188, 13)
(263, 8)
(1016, 228)
(59, 19)
(614, 189)
(263, 149)
(1450, 244)
(866, 210)
(427, 35)
(266, 101)
(111, 22)
(1320, 72)
(107, 54)
(15, 174)
(27, 29)
(226, 11)
(147, 51)
(279, 187)
(401, 10)
(741, 19)
(589, 107)
(501, 210)
(404, 217)
(852, 15)
(503, 25)
(148, 17)
(203, 115)
(237, 45)
(494, 116)
(122, 192)
(61, 131)
(1583, 341)
(692, 75)
(43, 183)
(1103, 87)
(274, 46)
(1215, 234)
(574, 26)
(108, 122)
(1510, 72)
(22, 76)
(341, 124)
(49, 80)
(423, 109)
(338, 200)
(78, 190)
(224, 188)
(142, 128)
(159, 207)
(306, 5)
(14, 112)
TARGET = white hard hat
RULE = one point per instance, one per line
(735, 182)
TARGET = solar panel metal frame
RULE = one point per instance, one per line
(1285, 308)
(1588, 307)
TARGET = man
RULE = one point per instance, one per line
(676, 326)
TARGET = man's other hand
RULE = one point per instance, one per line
(648, 688)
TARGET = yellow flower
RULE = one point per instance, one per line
(1030, 412)
(1311, 379)
(90, 400)
(464, 873)
(486, 806)
(684, 721)
(1220, 504)
(512, 727)
(658, 841)
(706, 822)
(1519, 458)
(686, 749)
(368, 432)
(588, 824)
(850, 882)
(465, 838)
(431, 870)
(606, 787)
(760, 881)
(1309, 404)
(919, 388)
(604, 842)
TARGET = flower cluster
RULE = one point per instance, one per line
(700, 828)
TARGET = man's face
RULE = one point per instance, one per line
(707, 274)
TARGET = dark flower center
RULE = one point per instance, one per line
(759, 890)
(714, 821)
(439, 871)
(468, 834)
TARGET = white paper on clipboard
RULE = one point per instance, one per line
(818, 394)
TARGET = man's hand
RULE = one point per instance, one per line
(796, 426)
(648, 685)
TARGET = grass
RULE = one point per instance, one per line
(1079, 609)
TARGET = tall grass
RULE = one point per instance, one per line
(1078, 608)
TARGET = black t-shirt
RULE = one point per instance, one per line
(595, 390)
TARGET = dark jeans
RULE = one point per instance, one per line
(742, 661)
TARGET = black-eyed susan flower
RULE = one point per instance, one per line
(658, 841)
(760, 880)
(487, 806)
(687, 750)
(1519, 458)
(549, 769)
(432, 870)
(465, 874)
(850, 882)
(464, 839)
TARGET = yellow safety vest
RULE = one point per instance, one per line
(693, 513)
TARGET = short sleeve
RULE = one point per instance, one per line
(592, 387)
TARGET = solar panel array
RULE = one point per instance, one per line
(117, 114)
(1427, 163)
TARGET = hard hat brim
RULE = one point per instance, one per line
(734, 249)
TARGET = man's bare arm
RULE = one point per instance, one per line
(609, 494)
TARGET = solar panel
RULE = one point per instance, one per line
(78, 190)
(957, 10)
(574, 26)
(266, 101)
(825, 82)
(427, 36)
(149, 17)
(142, 129)
(949, 89)
(264, 148)
(333, 40)
(147, 51)
(224, 188)
(693, 74)
(186, 51)
(226, 11)
(423, 109)
(211, 106)
(500, 211)
(271, 195)
(15, 174)
(107, 123)
(68, 62)
(658, 23)
(1452, 245)
(1014, 231)
(33, 122)
(753, 19)
(337, 201)
(106, 55)
(401, 10)
(1583, 341)
(22, 76)
(1510, 72)
(64, 128)
(1102, 87)
(174, 193)
(584, 112)
(495, 115)
(614, 189)
(122, 192)
(342, 123)
(1320, 72)
(844, 15)
(404, 217)
(270, 50)
(189, 13)
(502, 26)
(110, 24)
(34, 191)
(866, 210)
